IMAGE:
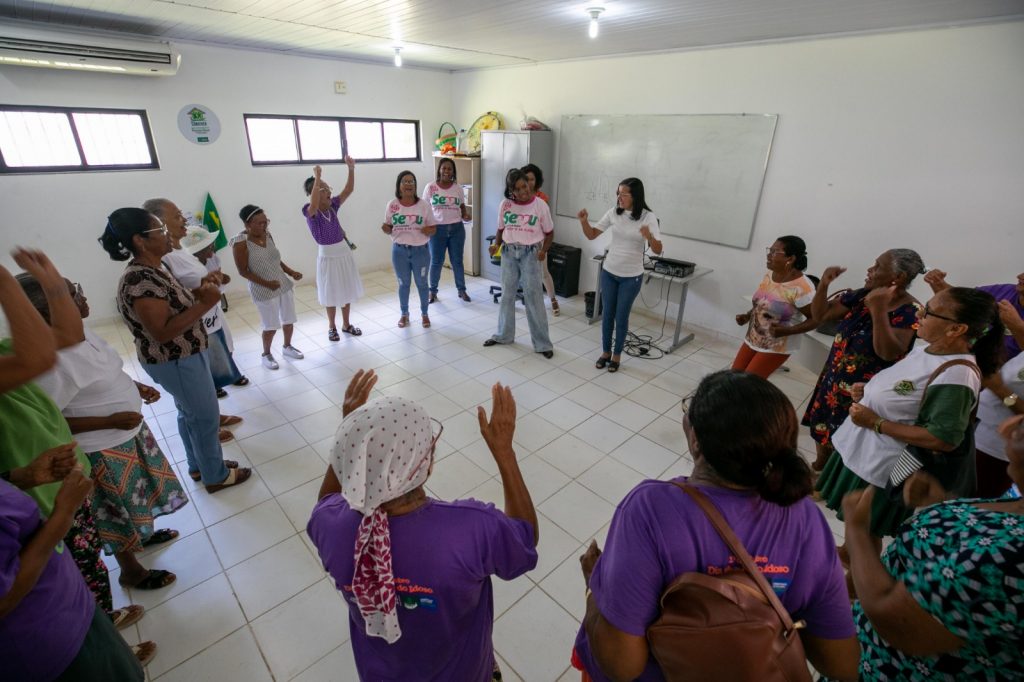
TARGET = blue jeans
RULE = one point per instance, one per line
(617, 296)
(450, 238)
(520, 262)
(189, 382)
(411, 263)
(222, 365)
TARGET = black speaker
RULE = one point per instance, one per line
(564, 266)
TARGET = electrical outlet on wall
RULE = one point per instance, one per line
(340, 88)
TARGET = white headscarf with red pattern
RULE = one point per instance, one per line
(381, 452)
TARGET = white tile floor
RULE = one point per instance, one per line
(252, 602)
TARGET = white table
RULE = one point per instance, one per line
(684, 285)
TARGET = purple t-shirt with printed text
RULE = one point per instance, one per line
(324, 225)
(1007, 292)
(443, 555)
(659, 532)
(42, 635)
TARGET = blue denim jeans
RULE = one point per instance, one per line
(520, 262)
(411, 263)
(222, 365)
(617, 296)
(189, 382)
(450, 238)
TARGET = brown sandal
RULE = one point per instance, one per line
(224, 436)
(127, 615)
(144, 651)
(403, 321)
(235, 477)
(229, 463)
(426, 322)
(230, 420)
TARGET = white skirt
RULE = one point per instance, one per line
(337, 277)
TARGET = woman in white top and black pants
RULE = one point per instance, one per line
(634, 227)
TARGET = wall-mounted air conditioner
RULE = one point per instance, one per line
(83, 52)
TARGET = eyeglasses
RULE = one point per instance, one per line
(686, 403)
(771, 252)
(929, 313)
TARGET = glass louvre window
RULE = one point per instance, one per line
(300, 140)
(56, 139)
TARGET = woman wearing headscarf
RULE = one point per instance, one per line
(417, 583)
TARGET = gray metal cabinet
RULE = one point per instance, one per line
(502, 150)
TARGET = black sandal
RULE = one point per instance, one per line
(353, 330)
(244, 381)
(602, 362)
(221, 393)
(156, 579)
(229, 463)
(332, 334)
(161, 536)
(613, 366)
(490, 342)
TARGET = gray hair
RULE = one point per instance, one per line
(156, 206)
(908, 262)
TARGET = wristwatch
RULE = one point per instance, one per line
(1011, 400)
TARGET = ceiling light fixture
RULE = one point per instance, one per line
(398, 56)
(594, 13)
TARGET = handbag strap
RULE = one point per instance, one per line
(943, 367)
(739, 551)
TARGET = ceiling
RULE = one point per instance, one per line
(470, 34)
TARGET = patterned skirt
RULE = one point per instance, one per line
(134, 485)
(836, 481)
(84, 543)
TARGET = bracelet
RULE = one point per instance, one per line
(878, 425)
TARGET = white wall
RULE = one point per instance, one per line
(908, 139)
(65, 213)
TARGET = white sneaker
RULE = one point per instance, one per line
(269, 362)
(292, 352)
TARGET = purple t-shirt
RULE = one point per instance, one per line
(324, 225)
(659, 532)
(443, 555)
(1007, 292)
(42, 635)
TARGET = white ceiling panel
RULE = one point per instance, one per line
(468, 34)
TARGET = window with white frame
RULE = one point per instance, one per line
(294, 140)
(59, 139)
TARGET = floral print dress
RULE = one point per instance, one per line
(964, 565)
(852, 359)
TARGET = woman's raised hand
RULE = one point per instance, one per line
(831, 274)
(863, 416)
(358, 391)
(53, 464)
(498, 431)
(645, 231)
(209, 294)
(37, 264)
(857, 508)
(583, 215)
(857, 391)
(316, 172)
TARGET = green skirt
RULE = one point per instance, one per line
(836, 481)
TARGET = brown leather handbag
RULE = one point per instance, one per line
(730, 627)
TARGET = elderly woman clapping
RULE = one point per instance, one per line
(418, 582)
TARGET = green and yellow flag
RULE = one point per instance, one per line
(212, 223)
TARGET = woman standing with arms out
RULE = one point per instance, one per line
(535, 177)
(410, 222)
(166, 321)
(259, 262)
(924, 400)
(524, 235)
(135, 484)
(634, 227)
(876, 328)
(337, 277)
(783, 295)
(448, 202)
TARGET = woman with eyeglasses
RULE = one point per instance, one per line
(634, 227)
(270, 281)
(781, 310)
(876, 325)
(415, 571)
(166, 321)
(102, 405)
(409, 221)
(926, 400)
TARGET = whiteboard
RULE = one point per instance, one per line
(702, 173)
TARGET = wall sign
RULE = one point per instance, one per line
(199, 124)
